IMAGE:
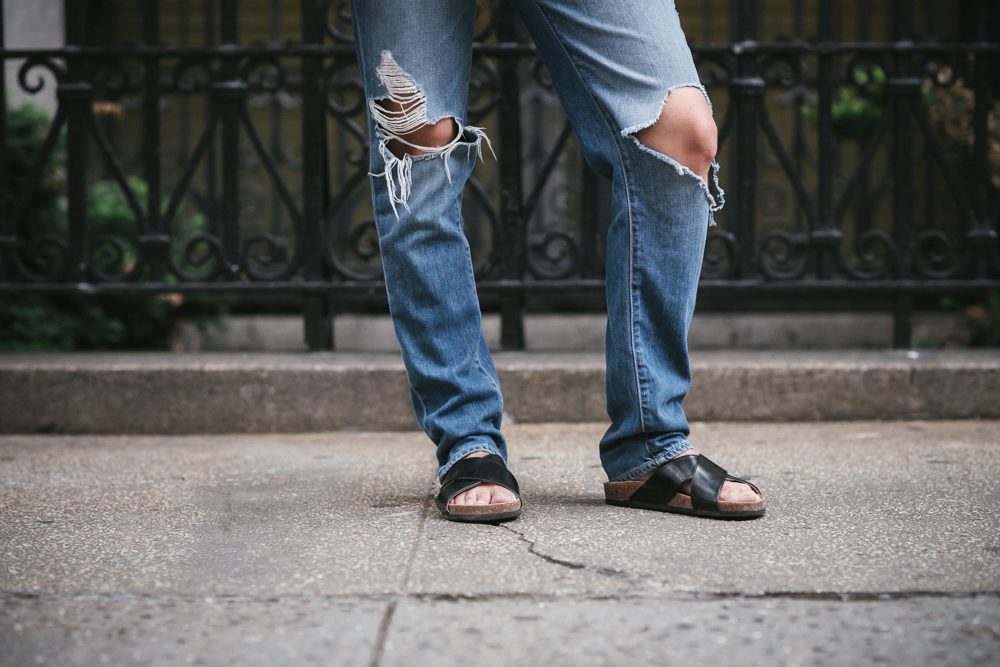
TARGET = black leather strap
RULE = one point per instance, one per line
(467, 473)
(664, 483)
(706, 483)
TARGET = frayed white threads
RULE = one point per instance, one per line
(411, 116)
(402, 168)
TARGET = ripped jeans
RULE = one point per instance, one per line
(614, 65)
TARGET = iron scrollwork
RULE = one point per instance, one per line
(235, 203)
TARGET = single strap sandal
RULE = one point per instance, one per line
(468, 473)
(660, 491)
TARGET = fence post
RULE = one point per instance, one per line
(746, 92)
(826, 238)
(154, 242)
(229, 95)
(904, 88)
(315, 307)
(75, 96)
(981, 235)
(513, 236)
(8, 240)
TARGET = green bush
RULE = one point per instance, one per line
(856, 110)
(43, 202)
(36, 322)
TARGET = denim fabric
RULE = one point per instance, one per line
(614, 65)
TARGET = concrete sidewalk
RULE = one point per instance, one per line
(881, 545)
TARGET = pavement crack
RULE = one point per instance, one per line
(383, 632)
(531, 550)
(424, 510)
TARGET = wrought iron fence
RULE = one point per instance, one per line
(861, 150)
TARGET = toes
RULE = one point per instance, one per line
(484, 494)
(501, 495)
(481, 495)
(738, 493)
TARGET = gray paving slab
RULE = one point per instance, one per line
(318, 514)
(749, 632)
(852, 507)
(88, 631)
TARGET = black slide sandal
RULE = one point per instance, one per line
(468, 473)
(660, 492)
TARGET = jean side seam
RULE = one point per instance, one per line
(490, 377)
(631, 294)
(628, 207)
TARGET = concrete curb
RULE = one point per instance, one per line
(284, 393)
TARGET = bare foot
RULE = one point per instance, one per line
(732, 492)
(483, 494)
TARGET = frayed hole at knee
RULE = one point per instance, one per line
(403, 111)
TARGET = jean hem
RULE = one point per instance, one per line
(670, 452)
(459, 452)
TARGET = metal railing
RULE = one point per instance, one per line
(846, 177)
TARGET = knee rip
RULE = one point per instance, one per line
(699, 149)
(401, 116)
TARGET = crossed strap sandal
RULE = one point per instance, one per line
(661, 491)
(468, 473)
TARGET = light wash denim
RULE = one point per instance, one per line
(613, 64)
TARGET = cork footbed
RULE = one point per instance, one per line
(498, 508)
(622, 491)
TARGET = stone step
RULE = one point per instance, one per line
(172, 393)
(585, 332)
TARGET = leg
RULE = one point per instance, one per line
(416, 84)
(632, 93)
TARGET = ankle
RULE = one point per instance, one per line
(687, 452)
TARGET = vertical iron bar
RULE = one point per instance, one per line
(511, 219)
(746, 93)
(826, 237)
(904, 88)
(981, 235)
(76, 97)
(706, 21)
(863, 204)
(309, 237)
(799, 142)
(212, 159)
(8, 240)
(230, 94)
(863, 20)
(154, 243)
(184, 25)
(277, 149)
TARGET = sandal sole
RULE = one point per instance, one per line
(618, 494)
(497, 517)
(673, 509)
(481, 513)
